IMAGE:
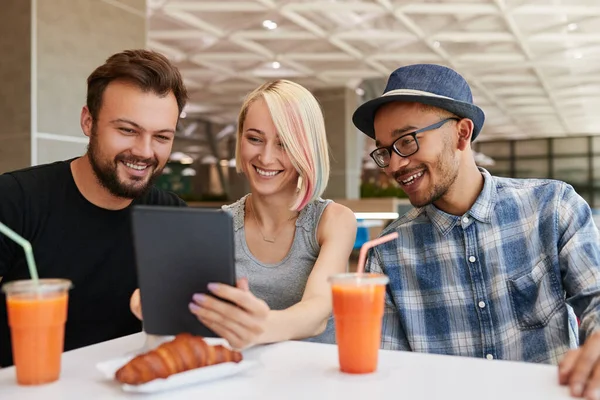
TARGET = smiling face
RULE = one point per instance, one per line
(264, 160)
(428, 175)
(131, 140)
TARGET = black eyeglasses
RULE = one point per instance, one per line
(405, 145)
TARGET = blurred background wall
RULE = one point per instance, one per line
(49, 47)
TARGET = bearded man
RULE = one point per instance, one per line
(484, 266)
(75, 213)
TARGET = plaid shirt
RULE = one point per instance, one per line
(503, 281)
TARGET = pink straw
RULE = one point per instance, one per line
(362, 256)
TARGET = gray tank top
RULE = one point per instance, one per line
(281, 285)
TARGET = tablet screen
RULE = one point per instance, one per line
(178, 252)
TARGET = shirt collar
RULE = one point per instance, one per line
(481, 209)
(486, 201)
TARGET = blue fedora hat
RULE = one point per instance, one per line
(430, 84)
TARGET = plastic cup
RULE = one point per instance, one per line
(358, 304)
(37, 312)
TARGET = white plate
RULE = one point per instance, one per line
(191, 377)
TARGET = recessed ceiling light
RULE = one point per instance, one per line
(572, 27)
(183, 114)
(268, 24)
(360, 91)
(275, 64)
(436, 44)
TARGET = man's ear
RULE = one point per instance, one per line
(86, 121)
(465, 132)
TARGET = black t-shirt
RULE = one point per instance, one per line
(73, 239)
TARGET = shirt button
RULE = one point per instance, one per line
(465, 220)
(489, 357)
(481, 304)
(472, 259)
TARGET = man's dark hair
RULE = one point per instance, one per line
(148, 70)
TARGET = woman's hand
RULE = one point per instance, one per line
(135, 304)
(241, 323)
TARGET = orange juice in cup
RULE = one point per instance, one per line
(358, 303)
(37, 312)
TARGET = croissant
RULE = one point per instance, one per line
(183, 353)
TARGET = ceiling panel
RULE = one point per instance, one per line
(534, 65)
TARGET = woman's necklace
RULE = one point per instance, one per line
(266, 239)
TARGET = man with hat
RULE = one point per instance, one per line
(484, 266)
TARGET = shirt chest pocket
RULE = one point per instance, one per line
(535, 296)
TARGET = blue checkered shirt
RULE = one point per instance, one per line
(505, 280)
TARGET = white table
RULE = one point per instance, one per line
(299, 370)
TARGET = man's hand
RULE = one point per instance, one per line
(580, 369)
(241, 323)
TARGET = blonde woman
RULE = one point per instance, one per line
(288, 239)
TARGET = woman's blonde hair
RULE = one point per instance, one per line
(298, 119)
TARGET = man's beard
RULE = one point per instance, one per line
(107, 174)
(446, 167)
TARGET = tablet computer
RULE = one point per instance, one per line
(178, 252)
